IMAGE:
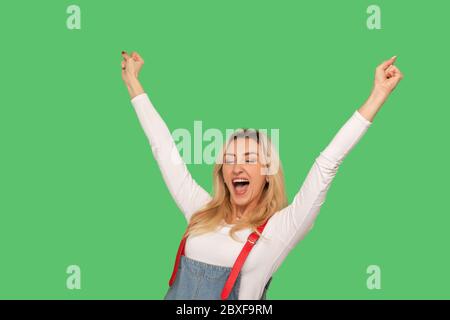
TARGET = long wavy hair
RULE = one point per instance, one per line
(219, 209)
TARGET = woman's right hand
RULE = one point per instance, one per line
(131, 66)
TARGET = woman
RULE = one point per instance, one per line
(237, 238)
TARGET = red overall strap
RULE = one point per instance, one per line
(177, 261)
(251, 240)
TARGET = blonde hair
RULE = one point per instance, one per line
(219, 209)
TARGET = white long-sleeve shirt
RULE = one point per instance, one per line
(284, 229)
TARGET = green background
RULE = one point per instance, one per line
(79, 184)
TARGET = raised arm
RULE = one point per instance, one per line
(188, 195)
(293, 222)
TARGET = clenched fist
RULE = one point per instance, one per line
(131, 66)
(387, 76)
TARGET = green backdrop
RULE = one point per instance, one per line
(79, 185)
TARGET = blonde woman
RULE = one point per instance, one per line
(238, 237)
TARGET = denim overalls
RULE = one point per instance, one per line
(192, 279)
(197, 280)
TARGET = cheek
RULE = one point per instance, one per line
(226, 173)
(257, 178)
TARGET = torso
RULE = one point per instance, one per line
(218, 248)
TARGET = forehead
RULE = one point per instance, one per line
(242, 145)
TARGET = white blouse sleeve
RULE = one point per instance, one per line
(188, 195)
(292, 223)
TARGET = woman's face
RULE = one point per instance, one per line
(242, 172)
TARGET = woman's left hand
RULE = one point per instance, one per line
(387, 77)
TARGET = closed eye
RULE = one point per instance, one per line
(229, 159)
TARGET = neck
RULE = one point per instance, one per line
(240, 211)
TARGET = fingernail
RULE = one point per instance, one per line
(394, 57)
(123, 52)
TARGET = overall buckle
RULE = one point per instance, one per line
(252, 238)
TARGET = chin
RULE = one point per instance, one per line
(240, 201)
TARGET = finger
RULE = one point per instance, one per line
(396, 72)
(125, 55)
(138, 57)
(391, 70)
(388, 70)
(123, 64)
(381, 71)
(395, 79)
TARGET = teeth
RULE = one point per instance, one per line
(240, 180)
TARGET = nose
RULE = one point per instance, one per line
(237, 168)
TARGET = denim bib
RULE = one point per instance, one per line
(197, 280)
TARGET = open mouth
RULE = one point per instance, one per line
(240, 185)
